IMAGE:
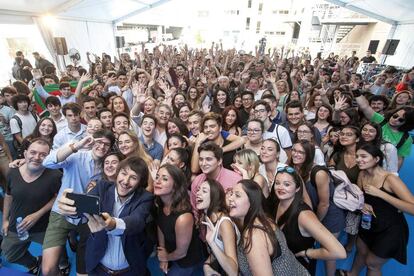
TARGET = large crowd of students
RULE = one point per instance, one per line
(210, 160)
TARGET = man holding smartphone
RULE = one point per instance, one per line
(30, 192)
(118, 244)
(80, 166)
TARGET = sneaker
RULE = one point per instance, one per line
(65, 271)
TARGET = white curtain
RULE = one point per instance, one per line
(47, 36)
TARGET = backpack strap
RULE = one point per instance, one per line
(403, 139)
(383, 122)
(19, 122)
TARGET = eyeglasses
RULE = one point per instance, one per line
(100, 143)
(247, 99)
(298, 151)
(400, 119)
(286, 169)
(256, 130)
(303, 132)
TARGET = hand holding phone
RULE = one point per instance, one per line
(84, 204)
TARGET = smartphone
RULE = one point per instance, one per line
(88, 204)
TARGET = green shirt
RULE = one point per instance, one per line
(393, 136)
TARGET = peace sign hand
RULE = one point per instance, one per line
(209, 230)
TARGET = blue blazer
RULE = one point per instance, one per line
(134, 239)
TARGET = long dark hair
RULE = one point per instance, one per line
(255, 195)
(225, 112)
(180, 197)
(36, 133)
(273, 201)
(217, 198)
(408, 116)
(180, 124)
(378, 137)
(306, 167)
(374, 151)
(185, 157)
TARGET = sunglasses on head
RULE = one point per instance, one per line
(400, 119)
(287, 169)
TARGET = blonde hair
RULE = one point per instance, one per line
(249, 160)
(139, 151)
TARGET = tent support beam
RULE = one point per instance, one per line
(141, 10)
(367, 13)
(64, 7)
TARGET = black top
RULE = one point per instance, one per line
(294, 239)
(166, 223)
(31, 197)
(388, 235)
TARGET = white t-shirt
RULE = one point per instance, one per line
(28, 124)
(281, 135)
(319, 158)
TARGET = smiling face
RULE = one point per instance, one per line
(231, 118)
(344, 119)
(179, 99)
(66, 92)
(402, 99)
(268, 152)
(101, 147)
(298, 154)
(126, 145)
(174, 142)
(118, 104)
(260, 113)
(221, 97)
(368, 133)
(397, 119)
(93, 126)
(294, 116)
(239, 203)
(34, 156)
(203, 196)
(318, 101)
(304, 133)
(149, 107)
(285, 187)
(323, 113)
(377, 106)
(183, 113)
(90, 109)
(237, 102)
(121, 123)
(208, 163)
(193, 94)
(54, 110)
(110, 166)
(172, 128)
(126, 182)
(365, 160)
(194, 124)
(46, 128)
(148, 127)
(347, 137)
(211, 129)
(163, 115)
(163, 184)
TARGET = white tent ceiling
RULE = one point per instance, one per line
(84, 10)
(394, 12)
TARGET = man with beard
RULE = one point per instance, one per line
(30, 192)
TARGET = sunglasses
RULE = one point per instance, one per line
(400, 119)
(287, 169)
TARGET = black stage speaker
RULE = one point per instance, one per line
(61, 47)
(120, 41)
(390, 47)
(373, 46)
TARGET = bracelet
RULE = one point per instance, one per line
(73, 148)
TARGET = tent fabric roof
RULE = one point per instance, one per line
(85, 10)
(394, 12)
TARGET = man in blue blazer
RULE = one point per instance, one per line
(118, 244)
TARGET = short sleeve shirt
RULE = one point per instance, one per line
(392, 136)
